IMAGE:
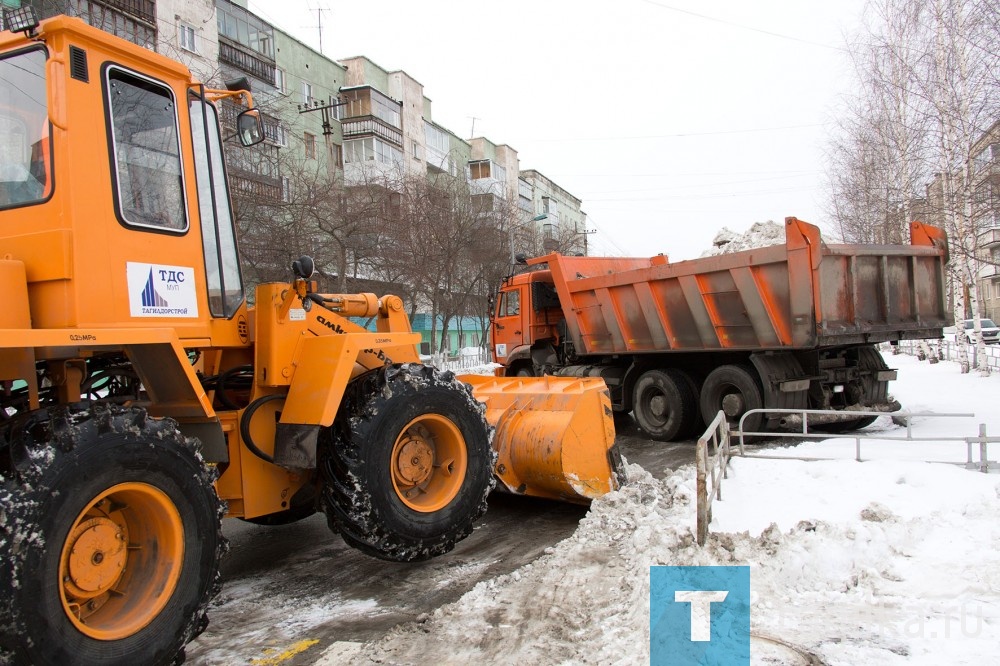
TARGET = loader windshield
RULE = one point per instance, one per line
(225, 285)
(25, 149)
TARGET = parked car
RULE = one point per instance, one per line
(991, 333)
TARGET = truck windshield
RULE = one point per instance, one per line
(25, 149)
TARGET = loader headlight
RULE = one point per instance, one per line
(20, 20)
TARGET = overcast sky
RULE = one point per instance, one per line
(668, 119)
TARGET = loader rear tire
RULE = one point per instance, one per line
(407, 464)
(110, 539)
(664, 405)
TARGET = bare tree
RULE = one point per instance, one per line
(927, 73)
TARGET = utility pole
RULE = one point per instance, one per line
(586, 232)
(472, 135)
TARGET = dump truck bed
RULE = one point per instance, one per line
(800, 295)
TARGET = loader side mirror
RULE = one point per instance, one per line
(304, 267)
(249, 127)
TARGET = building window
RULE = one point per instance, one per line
(279, 80)
(307, 93)
(239, 25)
(372, 150)
(482, 203)
(336, 154)
(310, 141)
(186, 35)
(479, 170)
(417, 150)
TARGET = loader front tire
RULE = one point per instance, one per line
(407, 464)
(110, 539)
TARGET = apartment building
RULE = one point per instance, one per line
(560, 222)
(985, 217)
(343, 120)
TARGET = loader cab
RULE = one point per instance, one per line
(113, 188)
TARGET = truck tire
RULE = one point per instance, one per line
(407, 464)
(664, 405)
(110, 539)
(735, 390)
(874, 392)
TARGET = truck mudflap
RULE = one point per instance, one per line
(555, 436)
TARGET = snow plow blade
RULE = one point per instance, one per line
(555, 436)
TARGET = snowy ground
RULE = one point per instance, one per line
(891, 560)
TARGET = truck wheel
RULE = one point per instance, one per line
(734, 390)
(663, 404)
(110, 542)
(407, 464)
(870, 362)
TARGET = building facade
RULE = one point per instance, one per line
(985, 212)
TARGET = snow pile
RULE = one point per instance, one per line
(580, 603)
(882, 562)
(760, 234)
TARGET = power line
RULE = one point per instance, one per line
(677, 135)
(742, 27)
(702, 185)
(708, 195)
(681, 174)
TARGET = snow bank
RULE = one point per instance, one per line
(760, 234)
(881, 562)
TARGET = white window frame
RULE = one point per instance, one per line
(187, 29)
(279, 80)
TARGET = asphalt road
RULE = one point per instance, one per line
(290, 592)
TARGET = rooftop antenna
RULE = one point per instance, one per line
(473, 134)
(319, 25)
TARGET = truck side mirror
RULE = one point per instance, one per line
(249, 127)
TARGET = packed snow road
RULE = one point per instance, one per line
(291, 592)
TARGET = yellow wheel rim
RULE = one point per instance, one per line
(121, 561)
(429, 461)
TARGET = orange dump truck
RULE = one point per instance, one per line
(790, 326)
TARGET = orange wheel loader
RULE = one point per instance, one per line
(142, 399)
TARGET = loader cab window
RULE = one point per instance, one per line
(222, 268)
(25, 145)
(145, 152)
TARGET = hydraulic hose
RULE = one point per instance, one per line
(245, 425)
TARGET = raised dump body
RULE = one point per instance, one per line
(796, 321)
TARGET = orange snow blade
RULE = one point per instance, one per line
(555, 436)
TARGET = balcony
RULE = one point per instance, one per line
(144, 10)
(134, 20)
(253, 186)
(246, 60)
(364, 126)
